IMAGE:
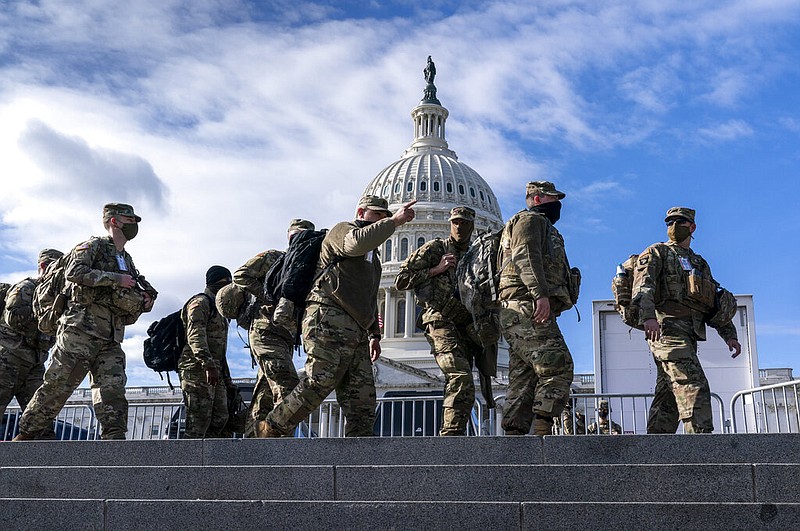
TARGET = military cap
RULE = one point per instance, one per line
(462, 212)
(216, 273)
(374, 202)
(680, 212)
(119, 209)
(300, 224)
(49, 255)
(543, 188)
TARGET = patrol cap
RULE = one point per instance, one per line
(49, 255)
(298, 224)
(680, 212)
(374, 202)
(543, 188)
(119, 209)
(462, 212)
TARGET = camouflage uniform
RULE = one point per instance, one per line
(540, 369)
(23, 349)
(446, 322)
(570, 427)
(601, 427)
(270, 343)
(339, 320)
(206, 343)
(88, 340)
(660, 289)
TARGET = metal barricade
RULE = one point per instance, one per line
(767, 409)
(73, 423)
(156, 420)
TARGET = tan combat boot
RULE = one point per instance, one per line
(264, 430)
(23, 436)
(542, 426)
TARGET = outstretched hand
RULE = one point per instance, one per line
(404, 214)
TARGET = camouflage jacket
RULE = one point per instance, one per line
(251, 277)
(533, 261)
(19, 333)
(92, 272)
(352, 284)
(438, 295)
(660, 290)
(206, 334)
(602, 427)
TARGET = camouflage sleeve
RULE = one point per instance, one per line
(79, 267)
(19, 309)
(251, 275)
(198, 314)
(527, 241)
(645, 281)
(360, 241)
(414, 270)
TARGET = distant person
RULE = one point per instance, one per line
(202, 364)
(535, 287)
(341, 335)
(675, 292)
(572, 425)
(604, 425)
(23, 348)
(447, 322)
(106, 294)
(271, 334)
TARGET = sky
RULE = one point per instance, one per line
(220, 120)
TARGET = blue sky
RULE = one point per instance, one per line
(222, 120)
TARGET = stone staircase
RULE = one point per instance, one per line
(493, 483)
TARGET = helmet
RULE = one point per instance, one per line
(229, 301)
(724, 309)
(128, 300)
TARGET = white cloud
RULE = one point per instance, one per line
(728, 131)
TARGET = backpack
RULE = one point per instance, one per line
(622, 287)
(165, 341)
(292, 276)
(4, 289)
(50, 296)
(479, 276)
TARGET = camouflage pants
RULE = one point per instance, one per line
(454, 355)
(75, 354)
(682, 391)
(338, 359)
(20, 377)
(540, 368)
(206, 405)
(276, 374)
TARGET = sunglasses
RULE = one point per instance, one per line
(678, 221)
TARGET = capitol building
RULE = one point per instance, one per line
(430, 173)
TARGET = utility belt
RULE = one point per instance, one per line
(453, 310)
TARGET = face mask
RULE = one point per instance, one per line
(678, 233)
(551, 210)
(361, 223)
(130, 230)
(462, 232)
(216, 286)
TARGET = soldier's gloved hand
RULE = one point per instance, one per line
(652, 330)
(733, 345)
(212, 376)
(125, 281)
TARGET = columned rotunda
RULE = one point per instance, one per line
(430, 172)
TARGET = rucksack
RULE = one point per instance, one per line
(4, 289)
(50, 296)
(622, 287)
(165, 341)
(292, 276)
(479, 275)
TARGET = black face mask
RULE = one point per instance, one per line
(361, 223)
(551, 210)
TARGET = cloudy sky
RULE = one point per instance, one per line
(221, 120)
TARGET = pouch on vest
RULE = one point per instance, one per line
(701, 291)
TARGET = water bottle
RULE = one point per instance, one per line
(621, 271)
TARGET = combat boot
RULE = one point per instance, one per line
(24, 436)
(265, 430)
(542, 426)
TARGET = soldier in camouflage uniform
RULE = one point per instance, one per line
(341, 335)
(202, 362)
(106, 294)
(431, 272)
(674, 290)
(534, 290)
(23, 348)
(271, 334)
(570, 426)
(603, 425)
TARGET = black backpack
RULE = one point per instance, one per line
(4, 289)
(293, 274)
(165, 341)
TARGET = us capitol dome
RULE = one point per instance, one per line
(430, 173)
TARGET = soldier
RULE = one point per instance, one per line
(570, 426)
(603, 425)
(271, 340)
(341, 335)
(534, 290)
(23, 348)
(431, 271)
(202, 365)
(675, 291)
(106, 293)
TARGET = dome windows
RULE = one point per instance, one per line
(385, 190)
(403, 249)
(420, 242)
(397, 188)
(449, 188)
(410, 186)
(388, 252)
(482, 198)
(423, 186)
(436, 186)
(472, 192)
(461, 189)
